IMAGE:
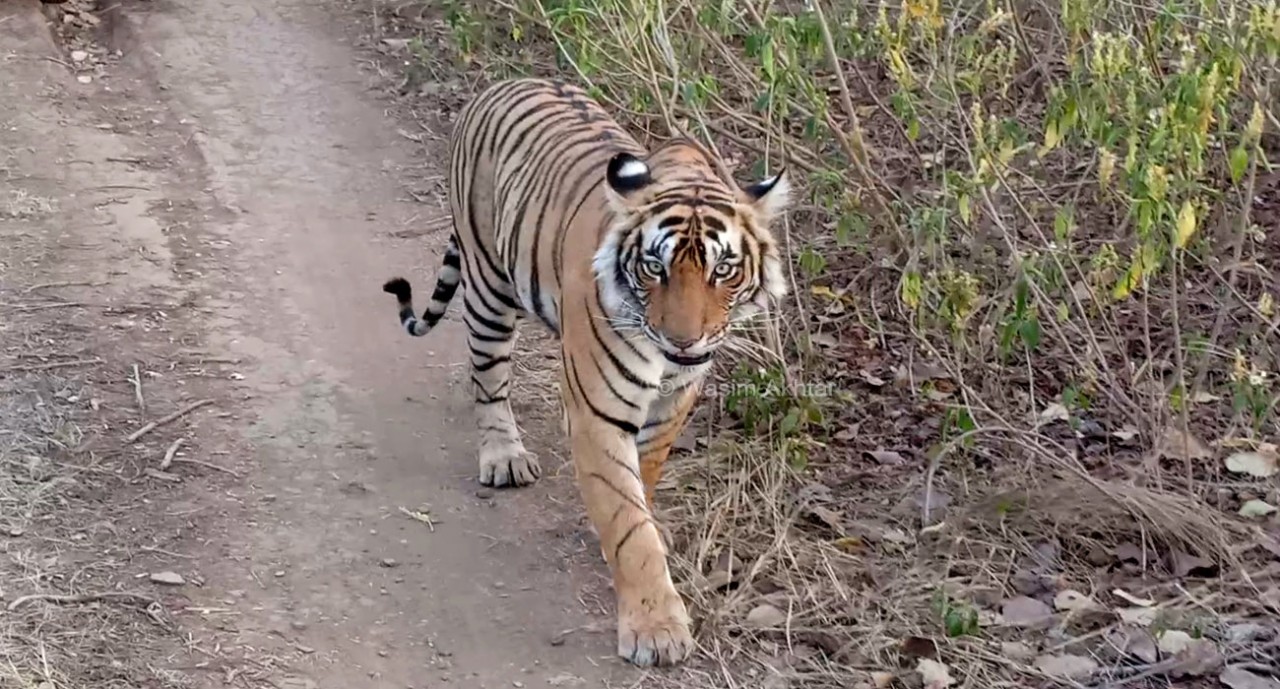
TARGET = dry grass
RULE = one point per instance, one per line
(52, 522)
(798, 586)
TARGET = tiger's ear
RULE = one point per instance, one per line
(770, 197)
(626, 175)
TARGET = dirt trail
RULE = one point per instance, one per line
(277, 187)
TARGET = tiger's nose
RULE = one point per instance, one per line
(683, 342)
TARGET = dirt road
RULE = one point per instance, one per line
(260, 192)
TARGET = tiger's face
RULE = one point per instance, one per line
(688, 253)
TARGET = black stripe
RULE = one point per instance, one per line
(494, 291)
(605, 480)
(481, 337)
(621, 424)
(613, 359)
(528, 191)
(605, 377)
(487, 322)
(630, 469)
(444, 291)
(480, 145)
(626, 537)
(485, 366)
(557, 247)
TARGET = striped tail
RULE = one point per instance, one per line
(446, 286)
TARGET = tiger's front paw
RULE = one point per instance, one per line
(508, 466)
(655, 634)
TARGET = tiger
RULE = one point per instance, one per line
(638, 262)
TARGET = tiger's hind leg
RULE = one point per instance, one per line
(491, 336)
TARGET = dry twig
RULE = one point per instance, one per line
(133, 437)
(60, 599)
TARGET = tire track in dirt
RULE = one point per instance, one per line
(281, 184)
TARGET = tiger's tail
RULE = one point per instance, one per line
(446, 286)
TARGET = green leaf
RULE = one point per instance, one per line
(763, 102)
(1063, 224)
(812, 262)
(1239, 161)
(766, 62)
(961, 620)
(790, 422)
(849, 224)
(1030, 333)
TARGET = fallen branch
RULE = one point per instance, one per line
(169, 454)
(50, 366)
(162, 476)
(27, 308)
(137, 390)
(210, 465)
(60, 599)
(50, 285)
(166, 420)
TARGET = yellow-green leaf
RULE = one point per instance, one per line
(965, 208)
(824, 291)
(911, 289)
(1051, 138)
(1106, 167)
(1186, 224)
(1256, 120)
(1239, 161)
(1007, 151)
(1133, 277)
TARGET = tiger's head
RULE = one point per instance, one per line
(688, 252)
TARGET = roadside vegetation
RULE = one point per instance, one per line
(1019, 424)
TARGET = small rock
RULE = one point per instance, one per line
(485, 493)
(1199, 658)
(1174, 641)
(167, 578)
(389, 562)
(298, 625)
(766, 616)
(84, 79)
(79, 56)
(1016, 650)
(1066, 666)
(886, 457)
(1135, 641)
(1236, 677)
(1245, 632)
(1026, 612)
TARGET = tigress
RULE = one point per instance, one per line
(639, 262)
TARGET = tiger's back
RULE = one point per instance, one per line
(530, 152)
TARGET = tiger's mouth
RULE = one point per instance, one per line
(688, 359)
